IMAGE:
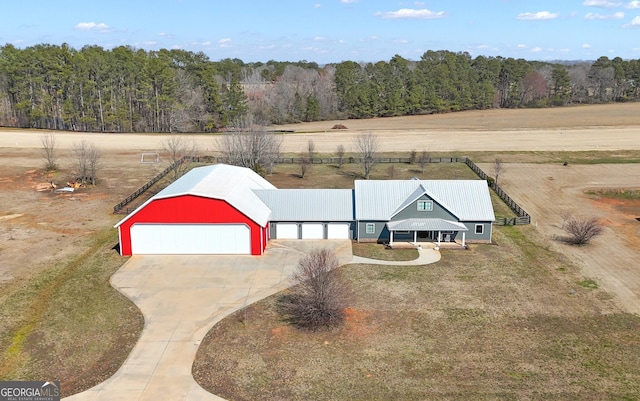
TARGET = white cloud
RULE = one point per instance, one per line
(319, 38)
(586, 46)
(618, 15)
(348, 1)
(521, 46)
(411, 13)
(92, 26)
(541, 15)
(601, 3)
(226, 42)
(536, 50)
(633, 4)
(635, 23)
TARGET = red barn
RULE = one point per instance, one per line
(209, 210)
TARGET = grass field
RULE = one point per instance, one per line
(512, 321)
(69, 323)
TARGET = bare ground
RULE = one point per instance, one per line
(549, 192)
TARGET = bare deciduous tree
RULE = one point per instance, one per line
(311, 150)
(340, 155)
(367, 145)
(178, 150)
(413, 156)
(253, 147)
(498, 168)
(304, 166)
(87, 157)
(580, 230)
(320, 294)
(49, 151)
(423, 160)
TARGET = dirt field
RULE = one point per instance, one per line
(38, 228)
(548, 192)
(602, 127)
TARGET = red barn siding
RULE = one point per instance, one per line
(191, 209)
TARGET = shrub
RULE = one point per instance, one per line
(320, 293)
(580, 230)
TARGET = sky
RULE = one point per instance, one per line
(331, 31)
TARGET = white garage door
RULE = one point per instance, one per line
(190, 239)
(338, 231)
(286, 231)
(312, 231)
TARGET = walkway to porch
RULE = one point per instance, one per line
(426, 255)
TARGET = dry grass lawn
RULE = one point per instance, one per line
(510, 321)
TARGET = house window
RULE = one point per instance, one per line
(370, 228)
(425, 205)
(479, 228)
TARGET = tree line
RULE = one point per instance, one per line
(133, 90)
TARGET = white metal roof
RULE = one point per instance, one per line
(308, 204)
(426, 225)
(382, 199)
(232, 184)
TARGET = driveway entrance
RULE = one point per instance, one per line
(182, 297)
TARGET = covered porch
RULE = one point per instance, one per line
(417, 230)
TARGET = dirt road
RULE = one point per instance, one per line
(433, 140)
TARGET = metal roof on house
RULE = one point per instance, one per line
(382, 199)
(426, 225)
(308, 204)
(232, 184)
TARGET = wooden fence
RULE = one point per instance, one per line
(336, 160)
(523, 216)
(119, 208)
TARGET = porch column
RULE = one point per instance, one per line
(390, 238)
(439, 236)
(415, 237)
(463, 237)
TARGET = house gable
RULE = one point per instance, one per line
(412, 211)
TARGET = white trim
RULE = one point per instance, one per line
(366, 228)
(190, 239)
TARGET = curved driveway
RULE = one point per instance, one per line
(181, 298)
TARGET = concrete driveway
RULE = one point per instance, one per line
(181, 298)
